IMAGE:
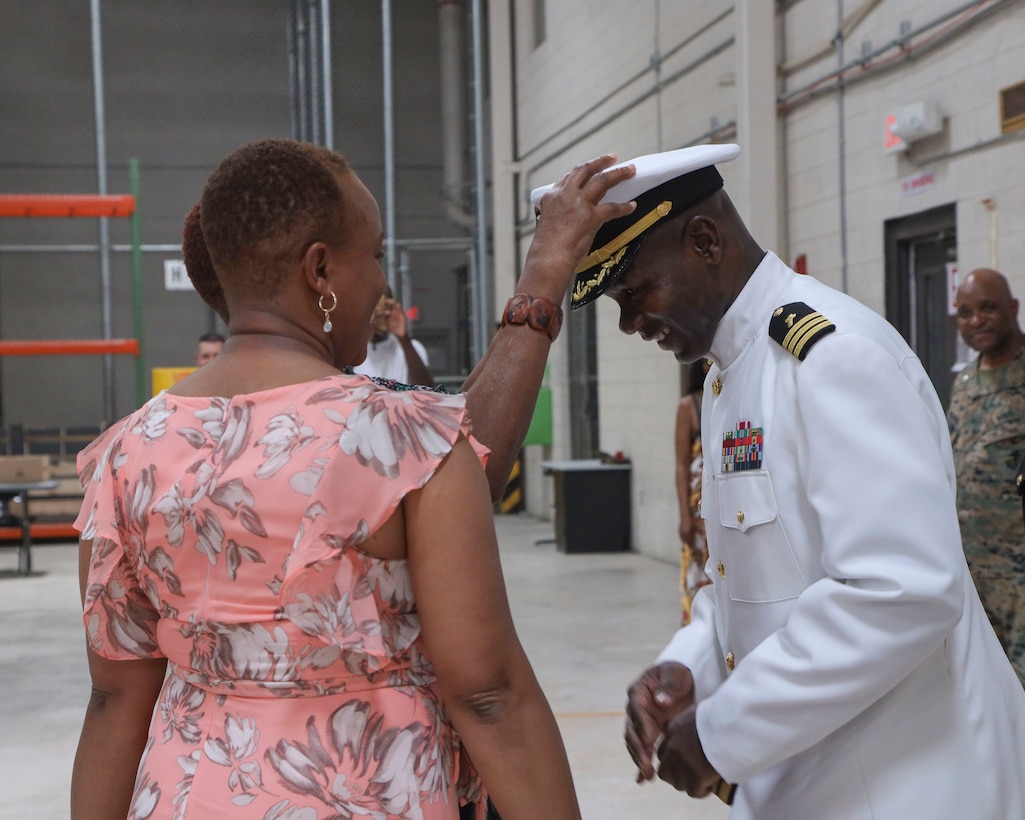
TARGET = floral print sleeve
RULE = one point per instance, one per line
(120, 620)
(398, 438)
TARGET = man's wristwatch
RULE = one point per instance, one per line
(536, 312)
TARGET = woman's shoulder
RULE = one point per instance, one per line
(385, 426)
(341, 390)
(351, 393)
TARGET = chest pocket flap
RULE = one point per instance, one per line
(745, 500)
(758, 562)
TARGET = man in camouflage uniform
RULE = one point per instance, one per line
(987, 428)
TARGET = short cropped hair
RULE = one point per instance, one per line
(262, 207)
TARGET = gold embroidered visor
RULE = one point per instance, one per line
(664, 184)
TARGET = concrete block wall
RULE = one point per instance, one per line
(639, 389)
(963, 75)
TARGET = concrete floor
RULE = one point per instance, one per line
(590, 624)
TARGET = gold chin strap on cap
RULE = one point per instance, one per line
(660, 211)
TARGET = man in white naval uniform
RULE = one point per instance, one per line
(840, 664)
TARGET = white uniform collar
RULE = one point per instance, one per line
(750, 313)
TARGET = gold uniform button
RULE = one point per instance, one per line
(730, 662)
(716, 386)
(740, 516)
(1019, 479)
(722, 569)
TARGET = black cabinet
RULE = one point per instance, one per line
(592, 505)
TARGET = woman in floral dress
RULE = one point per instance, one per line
(293, 599)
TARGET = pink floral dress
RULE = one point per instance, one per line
(226, 539)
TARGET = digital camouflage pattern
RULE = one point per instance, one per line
(987, 431)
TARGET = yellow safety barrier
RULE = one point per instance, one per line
(165, 377)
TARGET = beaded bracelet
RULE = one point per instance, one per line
(536, 312)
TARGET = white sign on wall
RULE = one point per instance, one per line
(175, 275)
(918, 183)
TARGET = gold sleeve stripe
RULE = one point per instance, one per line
(626, 237)
(803, 331)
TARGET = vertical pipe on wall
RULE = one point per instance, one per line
(315, 67)
(758, 195)
(994, 234)
(134, 188)
(405, 292)
(841, 146)
(656, 62)
(482, 304)
(309, 62)
(451, 17)
(505, 191)
(389, 147)
(293, 67)
(783, 193)
(302, 61)
(101, 188)
(325, 62)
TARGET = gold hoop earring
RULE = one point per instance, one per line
(327, 310)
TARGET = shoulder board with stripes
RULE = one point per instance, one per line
(797, 327)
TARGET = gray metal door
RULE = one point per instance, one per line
(583, 382)
(919, 249)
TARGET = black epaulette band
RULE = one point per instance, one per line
(797, 327)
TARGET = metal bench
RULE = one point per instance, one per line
(21, 530)
(35, 534)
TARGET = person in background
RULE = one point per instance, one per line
(840, 663)
(693, 550)
(267, 573)
(393, 353)
(987, 431)
(208, 346)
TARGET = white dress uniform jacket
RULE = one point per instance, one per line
(843, 664)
